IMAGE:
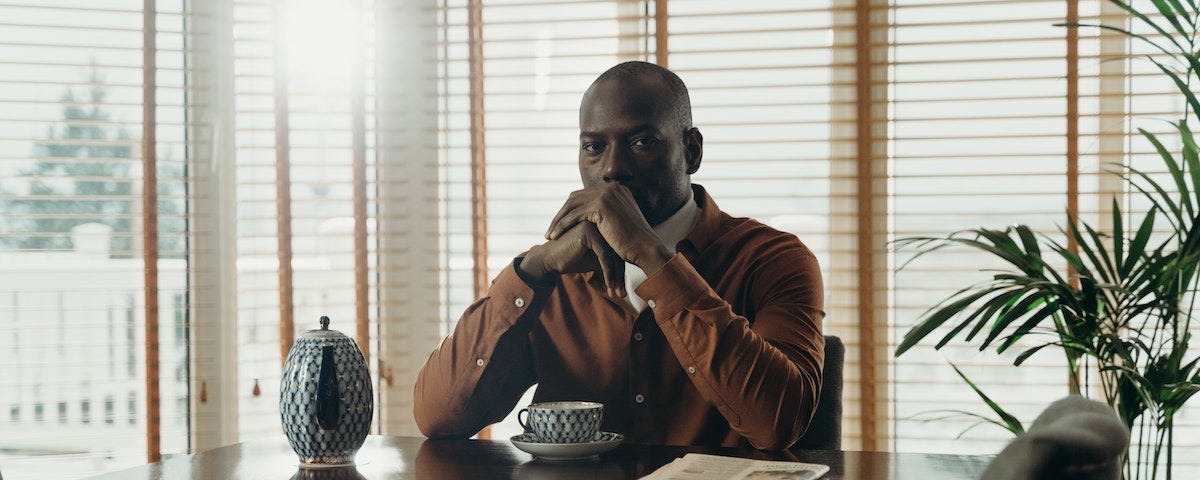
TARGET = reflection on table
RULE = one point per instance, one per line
(417, 458)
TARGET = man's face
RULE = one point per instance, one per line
(627, 135)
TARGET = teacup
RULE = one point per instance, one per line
(562, 422)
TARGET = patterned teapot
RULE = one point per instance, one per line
(325, 398)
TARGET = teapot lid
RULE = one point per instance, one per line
(324, 331)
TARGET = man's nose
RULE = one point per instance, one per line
(616, 165)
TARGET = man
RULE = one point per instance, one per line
(691, 326)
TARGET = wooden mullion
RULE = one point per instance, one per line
(479, 229)
(661, 33)
(1072, 138)
(362, 301)
(150, 230)
(869, 335)
(283, 186)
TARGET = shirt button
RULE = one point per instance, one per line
(639, 398)
(651, 303)
(479, 362)
(691, 369)
(637, 336)
(519, 302)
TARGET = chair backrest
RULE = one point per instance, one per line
(825, 430)
(1073, 439)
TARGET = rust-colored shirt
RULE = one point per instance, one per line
(728, 349)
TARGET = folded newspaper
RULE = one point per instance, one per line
(695, 466)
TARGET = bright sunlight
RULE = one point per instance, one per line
(323, 38)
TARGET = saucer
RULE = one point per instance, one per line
(603, 442)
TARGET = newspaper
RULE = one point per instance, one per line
(695, 466)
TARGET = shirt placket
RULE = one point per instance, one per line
(641, 400)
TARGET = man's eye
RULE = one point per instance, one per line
(644, 142)
(592, 148)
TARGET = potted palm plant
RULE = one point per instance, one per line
(1122, 308)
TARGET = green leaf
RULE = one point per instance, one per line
(1181, 85)
(1032, 322)
(990, 309)
(1010, 314)
(935, 320)
(1191, 155)
(1183, 12)
(982, 314)
(1167, 12)
(1072, 259)
(1171, 206)
(1010, 422)
(1110, 269)
(1030, 351)
(1028, 240)
(1174, 169)
(1140, 239)
(1000, 245)
(1141, 16)
(1118, 230)
(1095, 257)
(983, 419)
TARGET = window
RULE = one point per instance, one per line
(316, 158)
(71, 214)
(967, 104)
(970, 126)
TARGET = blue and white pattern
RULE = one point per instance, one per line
(298, 400)
(590, 450)
(599, 437)
(563, 422)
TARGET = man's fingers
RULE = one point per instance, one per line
(611, 264)
(563, 223)
(554, 231)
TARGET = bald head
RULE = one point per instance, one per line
(635, 129)
(673, 97)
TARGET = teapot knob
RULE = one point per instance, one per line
(324, 322)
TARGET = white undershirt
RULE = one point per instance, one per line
(671, 231)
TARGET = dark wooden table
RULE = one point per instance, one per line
(417, 458)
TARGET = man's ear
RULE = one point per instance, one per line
(693, 145)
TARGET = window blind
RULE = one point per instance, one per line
(302, 77)
(848, 123)
(538, 58)
(981, 137)
(73, 382)
(258, 334)
(977, 139)
(766, 96)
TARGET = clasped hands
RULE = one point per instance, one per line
(598, 229)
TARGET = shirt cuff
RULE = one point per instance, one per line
(510, 289)
(532, 282)
(674, 287)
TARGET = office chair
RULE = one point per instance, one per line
(1073, 439)
(825, 430)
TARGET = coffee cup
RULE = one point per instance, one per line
(562, 422)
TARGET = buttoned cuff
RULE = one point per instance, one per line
(510, 289)
(674, 287)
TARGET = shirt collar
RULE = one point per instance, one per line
(676, 227)
(708, 223)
